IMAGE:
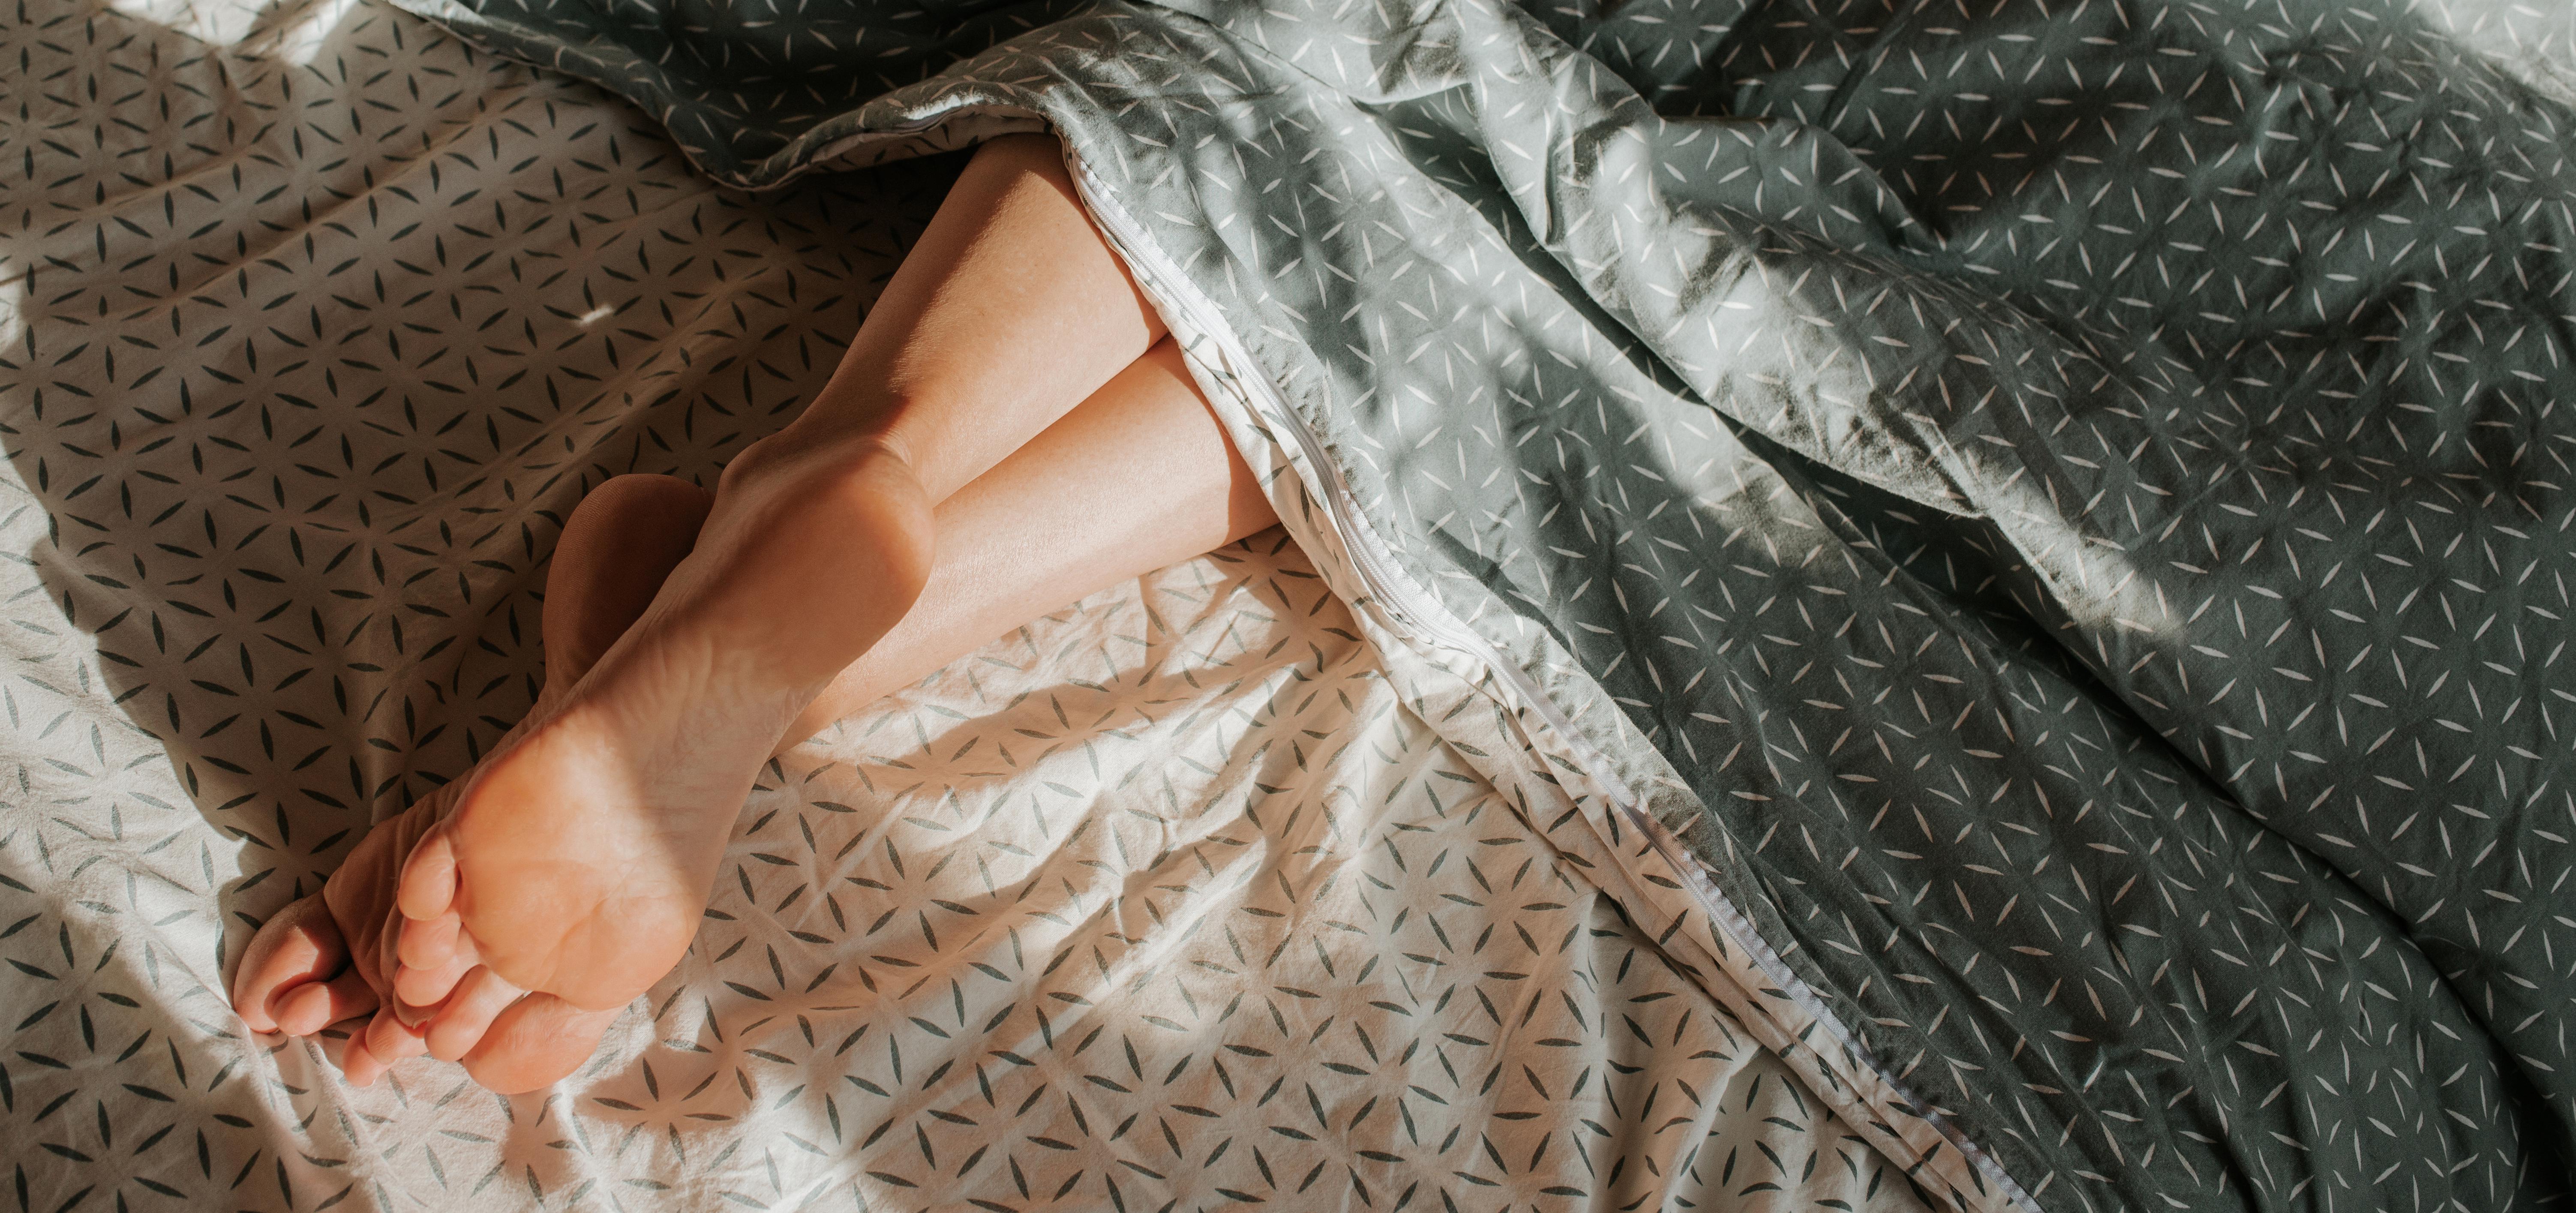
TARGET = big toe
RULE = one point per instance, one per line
(536, 1042)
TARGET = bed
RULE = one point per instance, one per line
(315, 320)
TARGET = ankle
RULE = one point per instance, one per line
(835, 519)
(808, 449)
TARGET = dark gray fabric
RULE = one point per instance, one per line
(2073, 490)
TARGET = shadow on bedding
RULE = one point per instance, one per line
(306, 384)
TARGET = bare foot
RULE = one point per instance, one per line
(317, 963)
(580, 858)
(329, 957)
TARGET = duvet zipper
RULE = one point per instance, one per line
(1412, 609)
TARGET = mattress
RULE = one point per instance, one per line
(315, 321)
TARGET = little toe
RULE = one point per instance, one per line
(313, 1006)
(297, 946)
(468, 1013)
(536, 1042)
(359, 1066)
(391, 1040)
(428, 887)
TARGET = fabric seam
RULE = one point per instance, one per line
(1416, 613)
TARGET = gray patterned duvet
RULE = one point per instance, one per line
(2045, 520)
(314, 323)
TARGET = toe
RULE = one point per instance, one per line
(313, 1006)
(427, 988)
(298, 946)
(468, 1013)
(428, 943)
(358, 1065)
(429, 877)
(391, 1040)
(536, 1042)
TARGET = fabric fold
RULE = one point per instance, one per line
(2045, 520)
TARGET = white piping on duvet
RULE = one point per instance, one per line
(1415, 610)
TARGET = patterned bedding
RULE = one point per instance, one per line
(2042, 519)
(315, 321)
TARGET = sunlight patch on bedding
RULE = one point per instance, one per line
(213, 22)
(2095, 581)
(303, 39)
(13, 305)
(2534, 40)
(176, 14)
(292, 31)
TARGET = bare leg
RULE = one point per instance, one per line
(1010, 311)
(579, 860)
(1123, 485)
(1139, 477)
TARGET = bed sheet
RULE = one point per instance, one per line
(314, 323)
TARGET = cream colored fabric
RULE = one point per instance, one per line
(316, 323)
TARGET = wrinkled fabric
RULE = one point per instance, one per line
(1168, 896)
(2051, 509)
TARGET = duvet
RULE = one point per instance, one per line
(2046, 520)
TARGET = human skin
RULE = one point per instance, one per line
(1009, 432)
